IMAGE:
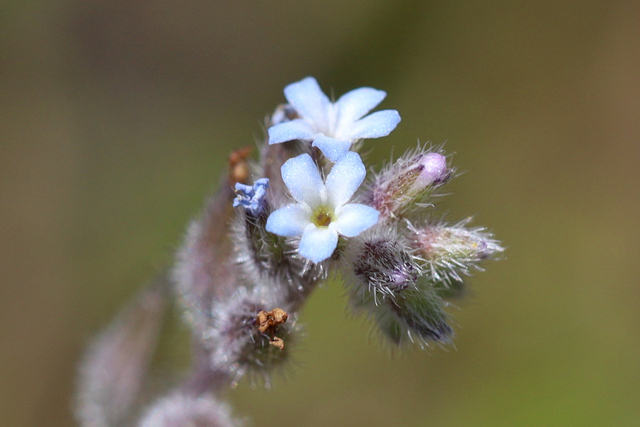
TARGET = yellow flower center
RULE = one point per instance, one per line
(322, 216)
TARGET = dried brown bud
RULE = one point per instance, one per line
(268, 323)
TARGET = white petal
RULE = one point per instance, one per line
(309, 101)
(287, 131)
(375, 125)
(302, 178)
(332, 148)
(289, 221)
(352, 219)
(344, 179)
(317, 244)
(355, 104)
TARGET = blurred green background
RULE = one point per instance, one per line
(116, 118)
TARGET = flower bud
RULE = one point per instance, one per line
(450, 252)
(252, 198)
(415, 316)
(380, 265)
(422, 311)
(433, 170)
(250, 330)
(406, 183)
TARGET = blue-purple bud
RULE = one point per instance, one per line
(252, 198)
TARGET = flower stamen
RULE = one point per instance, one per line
(321, 217)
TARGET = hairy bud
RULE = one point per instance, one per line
(422, 311)
(250, 330)
(403, 184)
(452, 251)
(380, 265)
(416, 315)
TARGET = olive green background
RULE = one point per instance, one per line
(116, 119)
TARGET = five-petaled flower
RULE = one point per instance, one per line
(322, 211)
(333, 127)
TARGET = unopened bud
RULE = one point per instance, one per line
(380, 265)
(416, 315)
(249, 331)
(452, 251)
(405, 184)
(422, 310)
(433, 170)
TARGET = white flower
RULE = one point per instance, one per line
(322, 211)
(333, 127)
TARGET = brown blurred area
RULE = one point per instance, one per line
(116, 119)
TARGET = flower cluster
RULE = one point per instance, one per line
(257, 252)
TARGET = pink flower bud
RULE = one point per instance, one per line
(433, 170)
(451, 252)
(405, 185)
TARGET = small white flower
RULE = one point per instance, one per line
(322, 211)
(333, 127)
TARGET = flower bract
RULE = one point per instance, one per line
(322, 211)
(333, 127)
